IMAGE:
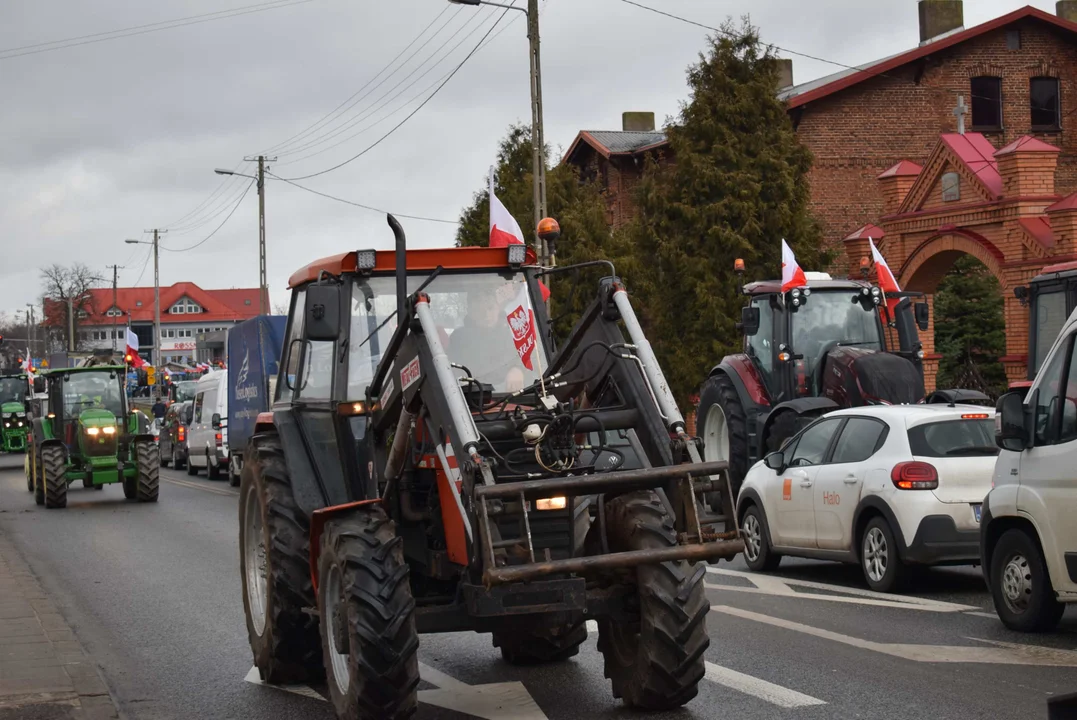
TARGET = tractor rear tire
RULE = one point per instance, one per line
(720, 394)
(657, 662)
(148, 480)
(369, 640)
(283, 634)
(54, 476)
(39, 483)
(28, 468)
(785, 426)
(541, 644)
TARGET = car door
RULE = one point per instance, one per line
(1048, 490)
(840, 481)
(792, 489)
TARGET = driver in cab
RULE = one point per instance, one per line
(484, 345)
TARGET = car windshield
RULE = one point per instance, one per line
(185, 390)
(85, 390)
(829, 318)
(954, 438)
(12, 389)
(472, 314)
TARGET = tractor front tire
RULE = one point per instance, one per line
(541, 644)
(723, 425)
(54, 476)
(274, 557)
(148, 480)
(785, 425)
(369, 640)
(39, 482)
(28, 468)
(655, 662)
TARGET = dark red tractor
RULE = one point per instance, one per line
(808, 351)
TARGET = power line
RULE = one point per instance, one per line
(226, 219)
(220, 208)
(280, 146)
(410, 115)
(361, 205)
(217, 191)
(143, 29)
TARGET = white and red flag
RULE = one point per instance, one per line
(521, 319)
(132, 348)
(887, 282)
(504, 230)
(28, 364)
(792, 275)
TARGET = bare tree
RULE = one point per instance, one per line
(280, 308)
(65, 290)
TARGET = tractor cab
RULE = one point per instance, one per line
(1051, 297)
(87, 408)
(14, 421)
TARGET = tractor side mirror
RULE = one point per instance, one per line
(215, 421)
(39, 384)
(923, 315)
(321, 314)
(775, 461)
(749, 320)
(1011, 427)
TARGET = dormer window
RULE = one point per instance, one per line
(114, 312)
(185, 306)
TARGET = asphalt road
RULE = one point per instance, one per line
(153, 593)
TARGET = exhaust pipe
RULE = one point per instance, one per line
(401, 265)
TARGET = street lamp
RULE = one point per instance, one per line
(263, 286)
(538, 141)
(156, 297)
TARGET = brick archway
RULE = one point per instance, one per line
(932, 259)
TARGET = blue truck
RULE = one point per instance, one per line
(254, 350)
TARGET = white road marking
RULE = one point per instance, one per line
(768, 691)
(1002, 654)
(255, 678)
(197, 486)
(773, 585)
(993, 616)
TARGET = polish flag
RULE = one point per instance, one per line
(504, 230)
(27, 364)
(792, 275)
(132, 349)
(887, 282)
(521, 318)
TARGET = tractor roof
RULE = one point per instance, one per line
(762, 287)
(423, 259)
(92, 368)
(1057, 272)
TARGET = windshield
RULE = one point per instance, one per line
(185, 390)
(954, 438)
(12, 389)
(85, 390)
(832, 318)
(472, 314)
(1050, 314)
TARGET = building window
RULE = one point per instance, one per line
(1043, 101)
(951, 187)
(114, 312)
(138, 303)
(247, 302)
(986, 103)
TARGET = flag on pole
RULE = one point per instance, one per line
(887, 282)
(792, 275)
(132, 348)
(28, 364)
(504, 230)
(521, 318)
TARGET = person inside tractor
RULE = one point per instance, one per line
(91, 390)
(484, 345)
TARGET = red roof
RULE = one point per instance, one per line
(1027, 143)
(137, 305)
(1039, 228)
(977, 154)
(1067, 203)
(868, 231)
(904, 168)
(930, 48)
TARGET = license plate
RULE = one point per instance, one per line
(976, 510)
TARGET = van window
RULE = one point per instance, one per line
(1050, 394)
(198, 406)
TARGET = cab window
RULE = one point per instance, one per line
(811, 447)
(859, 440)
(759, 346)
(1051, 395)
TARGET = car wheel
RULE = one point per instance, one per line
(1020, 585)
(758, 554)
(883, 569)
(192, 469)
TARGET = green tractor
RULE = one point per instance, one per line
(90, 434)
(14, 423)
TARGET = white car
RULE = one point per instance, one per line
(883, 486)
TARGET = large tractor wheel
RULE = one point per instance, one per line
(369, 641)
(723, 425)
(148, 480)
(655, 662)
(28, 468)
(274, 559)
(54, 476)
(546, 643)
(39, 482)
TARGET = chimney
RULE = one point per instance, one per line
(1027, 166)
(896, 182)
(939, 17)
(785, 71)
(1067, 10)
(637, 121)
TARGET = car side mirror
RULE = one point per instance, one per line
(923, 315)
(749, 320)
(1011, 426)
(775, 461)
(39, 384)
(215, 421)
(321, 313)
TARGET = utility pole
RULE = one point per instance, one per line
(115, 273)
(30, 330)
(260, 178)
(538, 139)
(156, 297)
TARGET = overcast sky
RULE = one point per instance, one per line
(104, 140)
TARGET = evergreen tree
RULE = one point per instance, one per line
(970, 331)
(736, 186)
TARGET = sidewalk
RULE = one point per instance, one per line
(44, 673)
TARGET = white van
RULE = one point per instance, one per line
(207, 438)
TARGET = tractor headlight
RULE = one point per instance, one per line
(93, 431)
(20, 423)
(7, 424)
(109, 429)
(554, 503)
(517, 254)
(876, 292)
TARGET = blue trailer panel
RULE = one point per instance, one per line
(254, 349)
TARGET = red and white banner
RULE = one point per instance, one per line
(132, 348)
(504, 230)
(521, 319)
(887, 282)
(792, 275)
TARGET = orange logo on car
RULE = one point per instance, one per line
(787, 489)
